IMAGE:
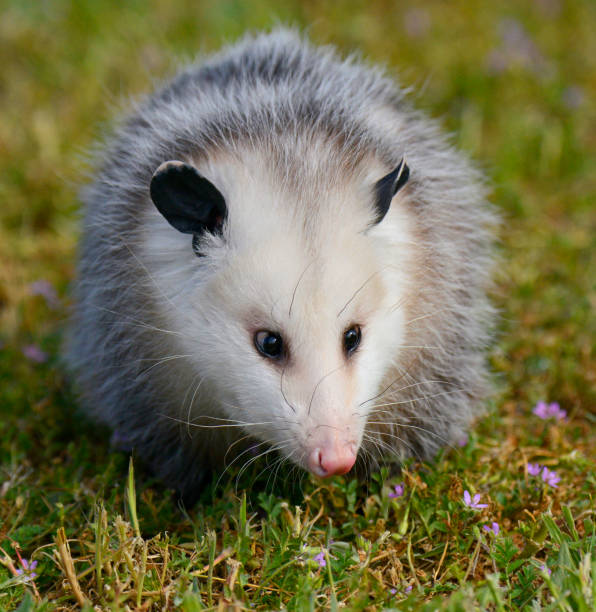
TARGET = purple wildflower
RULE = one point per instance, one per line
(492, 528)
(393, 591)
(27, 571)
(541, 410)
(545, 569)
(534, 469)
(408, 588)
(472, 502)
(34, 353)
(320, 559)
(497, 61)
(547, 411)
(550, 8)
(549, 477)
(517, 49)
(416, 22)
(518, 46)
(463, 441)
(573, 97)
(398, 490)
(46, 290)
(556, 412)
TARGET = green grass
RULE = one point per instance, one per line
(515, 84)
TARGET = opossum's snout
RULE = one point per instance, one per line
(332, 458)
(320, 394)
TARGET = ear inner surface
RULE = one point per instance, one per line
(388, 186)
(188, 201)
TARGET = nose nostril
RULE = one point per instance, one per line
(315, 463)
(332, 460)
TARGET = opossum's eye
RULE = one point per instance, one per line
(269, 344)
(352, 337)
(388, 186)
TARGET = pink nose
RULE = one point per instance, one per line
(332, 460)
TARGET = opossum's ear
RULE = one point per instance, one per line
(387, 187)
(187, 200)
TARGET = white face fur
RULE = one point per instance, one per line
(291, 320)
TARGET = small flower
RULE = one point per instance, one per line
(27, 571)
(534, 469)
(472, 502)
(320, 559)
(462, 441)
(408, 589)
(549, 477)
(573, 97)
(492, 528)
(556, 412)
(545, 569)
(398, 490)
(34, 353)
(416, 22)
(541, 410)
(46, 290)
(393, 591)
(547, 411)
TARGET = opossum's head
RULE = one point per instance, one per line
(293, 313)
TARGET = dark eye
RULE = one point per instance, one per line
(269, 343)
(352, 337)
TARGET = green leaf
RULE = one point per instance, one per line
(192, 602)
(27, 604)
(570, 522)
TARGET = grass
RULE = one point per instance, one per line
(514, 83)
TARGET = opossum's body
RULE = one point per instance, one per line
(299, 313)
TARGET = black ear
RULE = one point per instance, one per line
(387, 187)
(188, 201)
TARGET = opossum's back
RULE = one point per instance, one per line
(264, 90)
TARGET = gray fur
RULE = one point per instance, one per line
(274, 91)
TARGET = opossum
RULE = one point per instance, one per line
(280, 254)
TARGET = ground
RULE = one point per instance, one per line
(514, 83)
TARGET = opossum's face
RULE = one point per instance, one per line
(293, 327)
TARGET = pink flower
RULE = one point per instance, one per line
(320, 559)
(534, 469)
(556, 412)
(416, 22)
(545, 569)
(493, 528)
(549, 477)
(472, 502)
(27, 571)
(398, 490)
(573, 97)
(462, 441)
(541, 410)
(46, 290)
(547, 411)
(34, 353)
